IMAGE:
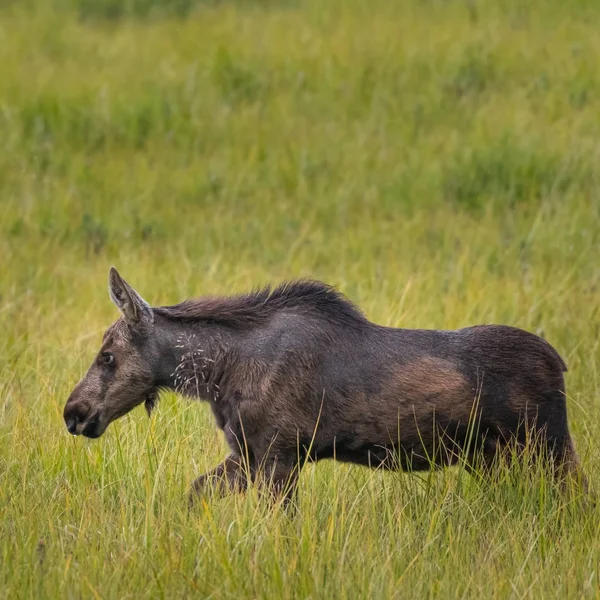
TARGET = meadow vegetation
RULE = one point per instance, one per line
(437, 160)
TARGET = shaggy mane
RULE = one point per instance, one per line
(244, 310)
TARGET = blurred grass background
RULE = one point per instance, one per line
(437, 160)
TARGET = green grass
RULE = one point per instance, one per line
(437, 160)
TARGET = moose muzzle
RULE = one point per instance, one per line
(81, 421)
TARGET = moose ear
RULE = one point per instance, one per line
(127, 300)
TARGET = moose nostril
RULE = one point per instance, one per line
(72, 425)
(74, 414)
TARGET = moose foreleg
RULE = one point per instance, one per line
(280, 480)
(228, 477)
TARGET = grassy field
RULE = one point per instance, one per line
(436, 160)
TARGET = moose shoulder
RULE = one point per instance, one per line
(297, 372)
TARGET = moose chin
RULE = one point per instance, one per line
(297, 372)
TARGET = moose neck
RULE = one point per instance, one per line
(192, 356)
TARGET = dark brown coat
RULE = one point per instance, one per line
(297, 372)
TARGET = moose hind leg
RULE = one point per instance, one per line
(567, 467)
(229, 476)
(489, 459)
(559, 448)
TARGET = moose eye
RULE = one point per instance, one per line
(108, 358)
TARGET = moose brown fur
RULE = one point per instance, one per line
(298, 373)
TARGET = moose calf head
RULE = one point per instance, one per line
(122, 375)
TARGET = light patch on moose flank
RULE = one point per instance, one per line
(431, 379)
(191, 376)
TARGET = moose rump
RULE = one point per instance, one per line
(298, 372)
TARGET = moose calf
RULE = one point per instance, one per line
(298, 372)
